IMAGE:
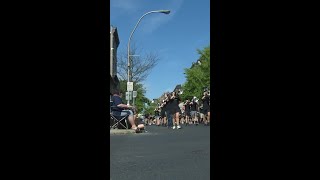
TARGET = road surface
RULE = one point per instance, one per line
(161, 154)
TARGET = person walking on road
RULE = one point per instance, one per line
(168, 101)
(206, 107)
(193, 108)
(157, 116)
(175, 110)
(187, 111)
(163, 107)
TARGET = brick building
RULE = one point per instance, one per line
(114, 43)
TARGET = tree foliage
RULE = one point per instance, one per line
(198, 76)
(140, 99)
(150, 108)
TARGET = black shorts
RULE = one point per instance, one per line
(174, 110)
(177, 109)
(205, 111)
(162, 114)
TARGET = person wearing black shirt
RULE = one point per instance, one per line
(201, 120)
(206, 107)
(156, 116)
(175, 110)
(147, 119)
(168, 101)
(163, 113)
(193, 108)
(187, 111)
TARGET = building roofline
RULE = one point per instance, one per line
(115, 34)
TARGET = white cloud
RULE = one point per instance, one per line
(153, 21)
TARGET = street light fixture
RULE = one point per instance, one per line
(165, 11)
(129, 64)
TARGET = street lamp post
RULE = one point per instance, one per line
(129, 63)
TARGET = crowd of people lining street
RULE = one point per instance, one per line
(171, 112)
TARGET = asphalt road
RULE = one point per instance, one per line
(161, 154)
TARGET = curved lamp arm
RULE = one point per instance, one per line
(158, 11)
(134, 29)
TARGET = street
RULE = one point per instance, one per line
(161, 153)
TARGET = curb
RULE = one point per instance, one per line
(122, 131)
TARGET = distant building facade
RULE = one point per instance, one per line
(114, 43)
(161, 98)
(178, 88)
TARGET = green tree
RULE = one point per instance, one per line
(198, 76)
(140, 99)
(150, 108)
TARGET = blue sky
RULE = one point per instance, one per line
(175, 37)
